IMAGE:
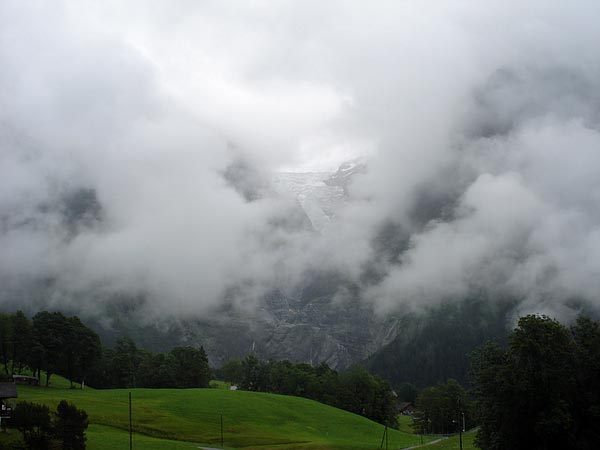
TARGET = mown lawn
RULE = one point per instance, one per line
(251, 420)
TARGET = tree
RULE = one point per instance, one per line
(33, 420)
(191, 367)
(156, 370)
(440, 409)
(252, 374)
(22, 341)
(586, 416)
(233, 371)
(367, 395)
(51, 331)
(70, 426)
(86, 350)
(542, 392)
(6, 333)
(407, 392)
(125, 362)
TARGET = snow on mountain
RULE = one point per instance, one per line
(318, 199)
(343, 176)
(319, 193)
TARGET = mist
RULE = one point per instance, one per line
(139, 144)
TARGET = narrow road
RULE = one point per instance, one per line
(426, 444)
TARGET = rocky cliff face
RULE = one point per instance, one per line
(313, 330)
(309, 323)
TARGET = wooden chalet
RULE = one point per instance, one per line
(26, 379)
(406, 408)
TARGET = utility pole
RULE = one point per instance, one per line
(221, 430)
(384, 438)
(130, 428)
(462, 429)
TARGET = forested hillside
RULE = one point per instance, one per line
(435, 346)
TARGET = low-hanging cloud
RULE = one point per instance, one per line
(138, 145)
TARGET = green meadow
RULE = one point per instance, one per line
(453, 443)
(189, 418)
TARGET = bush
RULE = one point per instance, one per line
(40, 432)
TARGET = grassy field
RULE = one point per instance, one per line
(185, 418)
(453, 443)
(405, 424)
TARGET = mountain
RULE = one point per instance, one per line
(309, 326)
(320, 194)
(306, 322)
(318, 200)
(436, 345)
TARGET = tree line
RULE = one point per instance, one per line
(127, 366)
(355, 390)
(49, 342)
(56, 344)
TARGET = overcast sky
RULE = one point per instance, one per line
(480, 121)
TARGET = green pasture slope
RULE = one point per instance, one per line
(453, 443)
(186, 418)
(405, 424)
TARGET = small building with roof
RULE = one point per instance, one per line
(8, 389)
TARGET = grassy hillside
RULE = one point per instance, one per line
(453, 443)
(251, 420)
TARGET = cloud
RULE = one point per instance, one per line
(138, 143)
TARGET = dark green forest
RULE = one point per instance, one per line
(53, 343)
(436, 345)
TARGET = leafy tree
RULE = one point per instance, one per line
(85, 350)
(357, 390)
(586, 415)
(22, 341)
(407, 392)
(542, 392)
(156, 370)
(252, 374)
(125, 362)
(6, 333)
(33, 420)
(191, 367)
(367, 395)
(52, 332)
(70, 426)
(440, 409)
(233, 371)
